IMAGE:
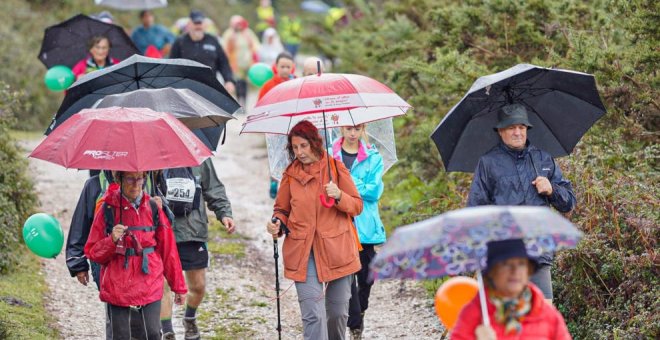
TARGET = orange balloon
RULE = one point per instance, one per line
(452, 296)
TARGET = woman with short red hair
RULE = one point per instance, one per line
(320, 249)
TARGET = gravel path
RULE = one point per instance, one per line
(240, 290)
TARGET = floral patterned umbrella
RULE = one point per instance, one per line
(455, 242)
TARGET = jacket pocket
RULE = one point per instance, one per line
(339, 247)
(293, 250)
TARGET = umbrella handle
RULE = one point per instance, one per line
(482, 299)
(328, 203)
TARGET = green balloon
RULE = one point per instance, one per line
(43, 235)
(59, 78)
(259, 74)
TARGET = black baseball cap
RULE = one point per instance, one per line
(197, 16)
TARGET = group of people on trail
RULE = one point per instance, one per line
(331, 271)
(143, 247)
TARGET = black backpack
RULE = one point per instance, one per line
(182, 190)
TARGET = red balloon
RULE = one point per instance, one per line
(452, 296)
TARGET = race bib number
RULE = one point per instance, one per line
(180, 190)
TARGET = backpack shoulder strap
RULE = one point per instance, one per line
(155, 216)
(108, 217)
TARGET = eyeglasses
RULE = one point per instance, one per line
(133, 180)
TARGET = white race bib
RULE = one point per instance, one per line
(180, 190)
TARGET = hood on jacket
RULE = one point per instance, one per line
(364, 150)
(113, 194)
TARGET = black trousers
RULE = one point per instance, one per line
(361, 288)
(147, 326)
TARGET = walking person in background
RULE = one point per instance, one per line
(515, 172)
(152, 34)
(242, 46)
(320, 251)
(290, 28)
(311, 66)
(203, 48)
(132, 240)
(191, 232)
(98, 58)
(516, 307)
(366, 168)
(265, 16)
(271, 47)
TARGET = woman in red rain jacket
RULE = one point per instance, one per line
(135, 253)
(516, 307)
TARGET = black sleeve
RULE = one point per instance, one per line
(81, 224)
(222, 63)
(175, 52)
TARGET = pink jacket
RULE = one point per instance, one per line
(543, 321)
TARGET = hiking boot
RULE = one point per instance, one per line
(192, 332)
(356, 334)
(169, 336)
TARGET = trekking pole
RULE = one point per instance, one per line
(276, 255)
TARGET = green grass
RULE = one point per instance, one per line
(22, 312)
(26, 135)
(227, 248)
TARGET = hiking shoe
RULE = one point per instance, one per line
(192, 332)
(169, 336)
(356, 334)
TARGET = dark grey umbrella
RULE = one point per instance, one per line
(562, 105)
(66, 42)
(187, 106)
(138, 72)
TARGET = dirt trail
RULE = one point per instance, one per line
(239, 300)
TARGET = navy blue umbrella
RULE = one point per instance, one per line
(562, 105)
(138, 72)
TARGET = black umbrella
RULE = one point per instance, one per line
(66, 42)
(138, 72)
(187, 106)
(562, 105)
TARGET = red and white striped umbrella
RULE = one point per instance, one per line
(331, 98)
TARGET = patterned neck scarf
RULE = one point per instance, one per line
(510, 311)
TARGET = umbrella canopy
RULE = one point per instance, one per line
(187, 106)
(333, 99)
(315, 6)
(128, 5)
(125, 139)
(455, 242)
(562, 105)
(66, 42)
(138, 72)
(380, 133)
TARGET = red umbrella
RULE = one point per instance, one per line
(125, 139)
(334, 99)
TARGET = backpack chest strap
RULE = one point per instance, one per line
(145, 259)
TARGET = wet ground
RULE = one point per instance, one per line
(240, 289)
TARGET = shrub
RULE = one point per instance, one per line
(17, 198)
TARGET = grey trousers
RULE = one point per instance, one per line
(323, 317)
(542, 279)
